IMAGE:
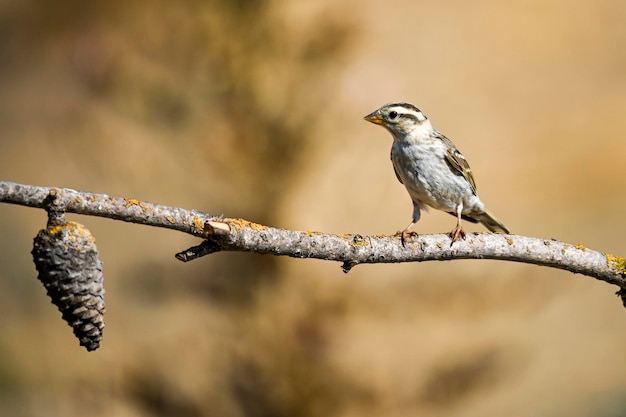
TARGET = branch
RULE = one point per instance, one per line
(228, 234)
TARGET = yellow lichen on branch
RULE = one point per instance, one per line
(616, 263)
(238, 224)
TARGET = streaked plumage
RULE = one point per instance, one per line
(433, 171)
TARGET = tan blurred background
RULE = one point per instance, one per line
(254, 109)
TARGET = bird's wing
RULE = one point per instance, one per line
(458, 162)
(395, 169)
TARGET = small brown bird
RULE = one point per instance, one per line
(431, 168)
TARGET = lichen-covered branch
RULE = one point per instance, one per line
(227, 234)
(102, 205)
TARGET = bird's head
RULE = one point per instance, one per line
(400, 119)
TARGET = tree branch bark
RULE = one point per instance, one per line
(229, 234)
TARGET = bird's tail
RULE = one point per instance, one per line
(491, 222)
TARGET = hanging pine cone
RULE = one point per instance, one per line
(67, 260)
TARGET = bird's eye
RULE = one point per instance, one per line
(393, 114)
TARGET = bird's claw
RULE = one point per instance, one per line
(457, 234)
(404, 234)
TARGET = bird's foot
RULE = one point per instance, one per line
(404, 234)
(457, 234)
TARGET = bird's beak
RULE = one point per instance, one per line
(374, 117)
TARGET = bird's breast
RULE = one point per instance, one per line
(427, 176)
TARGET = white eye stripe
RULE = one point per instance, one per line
(401, 112)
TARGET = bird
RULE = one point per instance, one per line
(432, 169)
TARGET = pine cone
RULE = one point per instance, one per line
(67, 260)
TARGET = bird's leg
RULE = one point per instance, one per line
(458, 232)
(406, 232)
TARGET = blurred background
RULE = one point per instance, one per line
(254, 109)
